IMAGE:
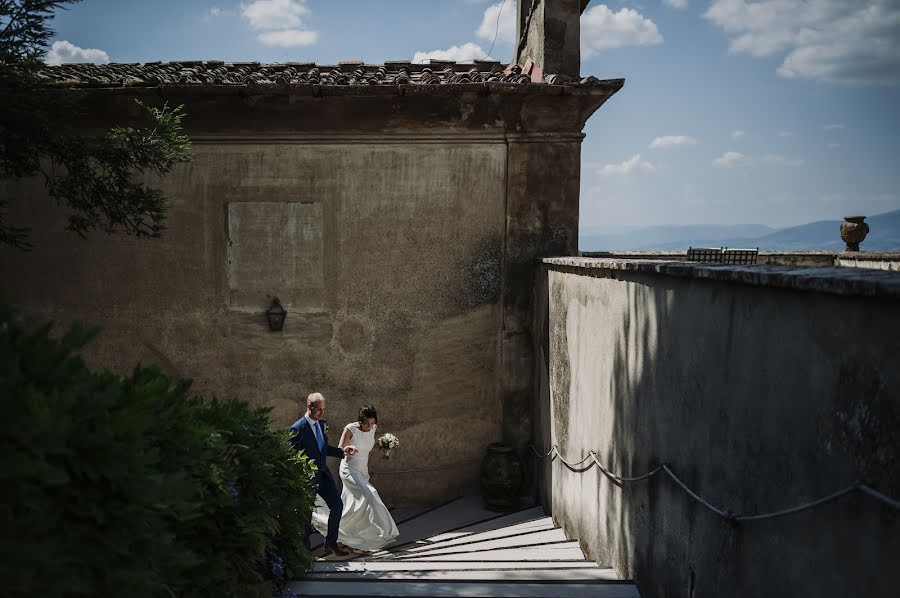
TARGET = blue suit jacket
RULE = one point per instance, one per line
(304, 438)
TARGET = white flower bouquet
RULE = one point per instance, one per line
(387, 443)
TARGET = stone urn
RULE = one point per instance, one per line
(501, 477)
(853, 230)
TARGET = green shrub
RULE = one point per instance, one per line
(130, 486)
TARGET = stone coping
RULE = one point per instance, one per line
(851, 255)
(853, 282)
(868, 256)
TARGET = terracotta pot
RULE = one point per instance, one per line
(853, 231)
(501, 477)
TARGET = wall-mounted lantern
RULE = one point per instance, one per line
(275, 314)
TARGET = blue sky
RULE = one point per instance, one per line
(776, 112)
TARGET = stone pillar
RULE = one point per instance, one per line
(543, 180)
(541, 220)
(550, 36)
(522, 9)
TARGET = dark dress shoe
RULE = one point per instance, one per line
(336, 551)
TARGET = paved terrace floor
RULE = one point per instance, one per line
(461, 549)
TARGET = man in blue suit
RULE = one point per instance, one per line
(309, 435)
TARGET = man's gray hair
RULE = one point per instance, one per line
(314, 398)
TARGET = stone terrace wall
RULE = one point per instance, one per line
(818, 259)
(875, 261)
(762, 387)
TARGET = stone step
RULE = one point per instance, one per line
(455, 515)
(461, 538)
(563, 551)
(527, 539)
(461, 549)
(494, 572)
(468, 589)
(498, 522)
(380, 566)
(402, 516)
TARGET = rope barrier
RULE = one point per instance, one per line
(554, 453)
(621, 480)
(882, 497)
(803, 507)
(592, 455)
(694, 495)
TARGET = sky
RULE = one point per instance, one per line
(775, 112)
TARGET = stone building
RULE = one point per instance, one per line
(397, 211)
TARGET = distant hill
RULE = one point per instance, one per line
(626, 238)
(823, 235)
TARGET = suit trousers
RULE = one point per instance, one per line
(327, 489)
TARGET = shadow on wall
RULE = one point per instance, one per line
(759, 398)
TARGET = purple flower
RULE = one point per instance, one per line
(235, 495)
(276, 564)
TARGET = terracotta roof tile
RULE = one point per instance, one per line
(215, 72)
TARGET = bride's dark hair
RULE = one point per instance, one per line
(366, 412)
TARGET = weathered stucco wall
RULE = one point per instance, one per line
(399, 224)
(760, 397)
(387, 256)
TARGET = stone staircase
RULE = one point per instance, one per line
(461, 549)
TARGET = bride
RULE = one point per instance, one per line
(366, 523)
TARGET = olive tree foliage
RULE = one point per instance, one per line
(95, 176)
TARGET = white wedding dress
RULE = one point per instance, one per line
(366, 523)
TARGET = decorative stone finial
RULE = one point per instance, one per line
(853, 230)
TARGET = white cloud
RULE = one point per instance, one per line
(63, 52)
(463, 53)
(506, 32)
(632, 164)
(833, 146)
(671, 141)
(834, 127)
(731, 159)
(844, 41)
(217, 11)
(281, 22)
(737, 134)
(782, 162)
(602, 28)
(275, 14)
(288, 38)
(785, 134)
(676, 3)
(505, 12)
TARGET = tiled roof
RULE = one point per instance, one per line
(152, 74)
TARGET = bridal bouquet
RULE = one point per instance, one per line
(388, 442)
